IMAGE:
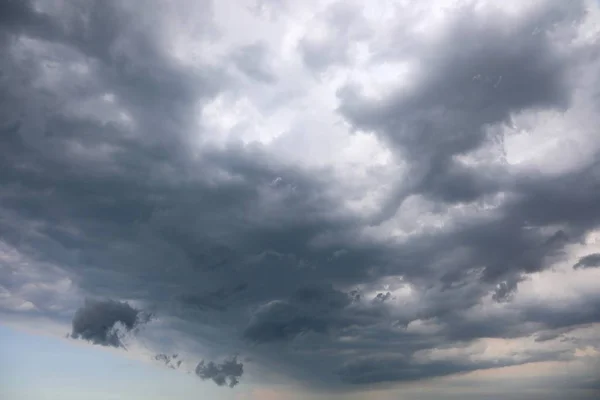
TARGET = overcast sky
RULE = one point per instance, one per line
(281, 200)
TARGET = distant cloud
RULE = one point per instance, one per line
(309, 309)
(226, 373)
(170, 361)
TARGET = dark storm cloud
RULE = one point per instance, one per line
(143, 221)
(533, 319)
(216, 300)
(461, 90)
(99, 322)
(310, 309)
(373, 370)
(227, 373)
(134, 209)
(589, 261)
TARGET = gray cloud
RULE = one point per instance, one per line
(345, 25)
(397, 368)
(382, 297)
(589, 261)
(170, 361)
(310, 309)
(447, 111)
(252, 61)
(227, 373)
(103, 322)
(102, 174)
(551, 335)
(374, 370)
(216, 300)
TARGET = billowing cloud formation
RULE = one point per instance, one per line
(226, 373)
(100, 321)
(343, 192)
(310, 309)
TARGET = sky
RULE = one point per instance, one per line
(284, 200)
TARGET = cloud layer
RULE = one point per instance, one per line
(343, 193)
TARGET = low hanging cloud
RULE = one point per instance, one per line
(105, 322)
(310, 309)
(353, 201)
(227, 373)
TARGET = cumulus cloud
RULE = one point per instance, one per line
(343, 192)
(104, 322)
(227, 373)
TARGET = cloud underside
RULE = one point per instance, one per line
(99, 321)
(115, 169)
